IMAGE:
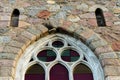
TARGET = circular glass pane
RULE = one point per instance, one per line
(70, 55)
(46, 55)
(58, 44)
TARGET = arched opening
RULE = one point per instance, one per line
(58, 72)
(15, 18)
(100, 17)
(82, 72)
(35, 72)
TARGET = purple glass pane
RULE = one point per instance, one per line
(34, 77)
(85, 76)
(59, 72)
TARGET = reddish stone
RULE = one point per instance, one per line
(66, 24)
(109, 23)
(44, 14)
(116, 46)
(92, 22)
(108, 14)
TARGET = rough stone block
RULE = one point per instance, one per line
(86, 34)
(92, 22)
(111, 71)
(43, 29)
(110, 62)
(94, 44)
(112, 55)
(113, 78)
(88, 15)
(93, 38)
(103, 49)
(29, 35)
(7, 63)
(6, 71)
(10, 49)
(116, 46)
(22, 39)
(6, 78)
(34, 31)
(17, 44)
(9, 56)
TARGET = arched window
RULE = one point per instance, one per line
(82, 72)
(100, 17)
(35, 72)
(59, 57)
(15, 18)
(59, 72)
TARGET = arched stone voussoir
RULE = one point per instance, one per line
(88, 36)
(94, 7)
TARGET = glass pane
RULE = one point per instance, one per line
(82, 72)
(70, 55)
(59, 72)
(46, 55)
(35, 72)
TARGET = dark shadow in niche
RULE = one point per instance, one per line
(49, 26)
(100, 17)
(15, 18)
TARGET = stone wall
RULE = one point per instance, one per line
(73, 17)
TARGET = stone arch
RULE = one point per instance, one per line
(90, 38)
(33, 50)
(94, 7)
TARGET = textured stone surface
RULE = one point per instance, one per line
(111, 70)
(110, 62)
(76, 17)
(108, 55)
(103, 49)
(116, 46)
(113, 78)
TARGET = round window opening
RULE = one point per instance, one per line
(57, 44)
(46, 55)
(70, 55)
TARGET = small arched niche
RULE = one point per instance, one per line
(59, 72)
(15, 18)
(100, 17)
(35, 72)
(82, 72)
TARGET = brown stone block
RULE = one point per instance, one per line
(10, 49)
(111, 71)
(44, 14)
(7, 63)
(17, 44)
(113, 78)
(6, 71)
(29, 35)
(99, 43)
(109, 55)
(116, 46)
(92, 22)
(110, 62)
(86, 34)
(103, 49)
(43, 29)
(22, 39)
(66, 25)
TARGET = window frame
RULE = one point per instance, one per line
(93, 63)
